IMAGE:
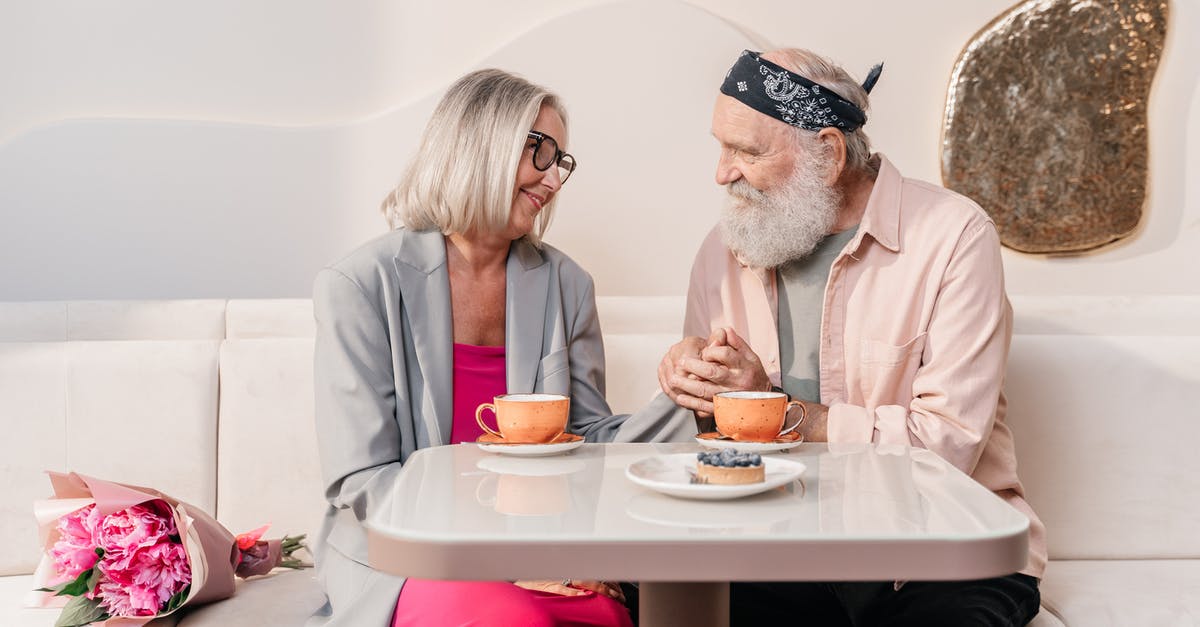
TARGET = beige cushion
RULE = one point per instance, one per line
(33, 322)
(637, 333)
(13, 613)
(268, 470)
(1143, 314)
(141, 412)
(33, 405)
(1106, 431)
(1100, 593)
(631, 368)
(281, 317)
(281, 598)
(1046, 618)
(146, 320)
(145, 413)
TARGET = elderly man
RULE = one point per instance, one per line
(876, 300)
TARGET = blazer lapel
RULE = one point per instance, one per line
(425, 294)
(528, 285)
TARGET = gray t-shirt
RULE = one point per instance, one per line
(801, 285)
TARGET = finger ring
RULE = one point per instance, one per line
(566, 583)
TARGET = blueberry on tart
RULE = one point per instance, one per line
(729, 467)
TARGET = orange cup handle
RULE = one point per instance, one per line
(479, 418)
(803, 415)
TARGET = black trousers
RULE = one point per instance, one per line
(1003, 601)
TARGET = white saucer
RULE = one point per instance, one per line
(672, 475)
(493, 445)
(749, 447)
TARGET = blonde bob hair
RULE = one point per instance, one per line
(464, 174)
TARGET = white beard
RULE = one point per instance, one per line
(769, 229)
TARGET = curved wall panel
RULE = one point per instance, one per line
(106, 208)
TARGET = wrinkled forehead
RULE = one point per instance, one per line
(736, 125)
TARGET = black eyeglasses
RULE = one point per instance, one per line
(546, 154)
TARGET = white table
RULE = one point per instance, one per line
(858, 513)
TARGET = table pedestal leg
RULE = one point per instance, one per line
(694, 603)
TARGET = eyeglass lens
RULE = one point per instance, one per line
(547, 154)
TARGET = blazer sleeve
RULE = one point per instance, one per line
(591, 416)
(355, 397)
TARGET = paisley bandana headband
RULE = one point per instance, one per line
(791, 98)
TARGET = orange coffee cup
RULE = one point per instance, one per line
(527, 418)
(754, 416)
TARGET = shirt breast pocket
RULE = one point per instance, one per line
(884, 354)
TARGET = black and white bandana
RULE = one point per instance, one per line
(791, 98)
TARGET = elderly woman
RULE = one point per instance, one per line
(416, 328)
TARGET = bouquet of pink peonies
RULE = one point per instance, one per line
(125, 555)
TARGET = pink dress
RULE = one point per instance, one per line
(478, 377)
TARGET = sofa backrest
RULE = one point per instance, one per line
(637, 333)
(125, 391)
(1103, 396)
(211, 401)
(268, 470)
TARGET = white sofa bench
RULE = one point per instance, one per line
(211, 401)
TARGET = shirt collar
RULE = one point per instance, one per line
(881, 218)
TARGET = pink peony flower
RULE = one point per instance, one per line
(138, 526)
(141, 581)
(123, 600)
(75, 550)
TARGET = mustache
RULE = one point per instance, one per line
(742, 190)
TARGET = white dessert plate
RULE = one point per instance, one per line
(561, 444)
(672, 475)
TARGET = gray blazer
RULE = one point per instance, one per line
(383, 375)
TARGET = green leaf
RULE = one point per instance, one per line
(54, 588)
(81, 585)
(80, 611)
(176, 600)
(94, 580)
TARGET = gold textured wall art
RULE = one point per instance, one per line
(1045, 122)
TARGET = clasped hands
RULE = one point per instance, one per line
(695, 369)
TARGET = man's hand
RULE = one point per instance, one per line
(688, 347)
(726, 363)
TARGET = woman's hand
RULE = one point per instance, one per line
(574, 587)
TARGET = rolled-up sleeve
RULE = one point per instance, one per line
(957, 386)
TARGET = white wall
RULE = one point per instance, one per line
(229, 149)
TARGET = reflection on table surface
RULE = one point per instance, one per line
(857, 513)
(859, 492)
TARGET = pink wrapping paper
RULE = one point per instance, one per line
(211, 549)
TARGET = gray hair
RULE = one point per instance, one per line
(823, 71)
(464, 174)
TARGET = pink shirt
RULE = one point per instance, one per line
(478, 378)
(915, 331)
